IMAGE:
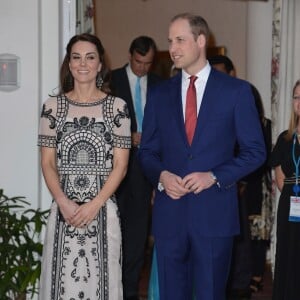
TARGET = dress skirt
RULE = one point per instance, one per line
(89, 267)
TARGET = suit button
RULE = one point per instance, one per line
(191, 156)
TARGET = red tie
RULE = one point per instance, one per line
(191, 110)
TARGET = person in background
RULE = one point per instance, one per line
(187, 152)
(258, 197)
(285, 160)
(132, 83)
(223, 64)
(174, 70)
(85, 138)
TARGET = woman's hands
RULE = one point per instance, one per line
(79, 215)
(85, 213)
(68, 208)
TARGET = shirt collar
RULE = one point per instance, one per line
(132, 75)
(129, 71)
(202, 74)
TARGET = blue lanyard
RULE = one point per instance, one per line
(296, 187)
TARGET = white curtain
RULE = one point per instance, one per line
(285, 72)
(85, 16)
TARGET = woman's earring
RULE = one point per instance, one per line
(99, 81)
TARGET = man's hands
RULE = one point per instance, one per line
(198, 181)
(176, 187)
(173, 185)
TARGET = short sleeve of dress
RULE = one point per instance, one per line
(278, 153)
(47, 127)
(121, 128)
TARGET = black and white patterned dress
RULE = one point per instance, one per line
(83, 263)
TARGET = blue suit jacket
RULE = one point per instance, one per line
(227, 117)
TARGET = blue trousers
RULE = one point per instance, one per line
(188, 275)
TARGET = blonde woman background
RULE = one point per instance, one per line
(285, 159)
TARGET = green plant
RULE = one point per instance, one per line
(20, 248)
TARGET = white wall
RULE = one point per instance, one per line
(28, 29)
(50, 52)
(19, 109)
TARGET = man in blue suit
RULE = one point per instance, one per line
(195, 213)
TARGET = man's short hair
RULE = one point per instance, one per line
(197, 23)
(142, 45)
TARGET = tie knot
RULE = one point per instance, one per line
(193, 78)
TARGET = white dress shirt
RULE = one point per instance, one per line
(200, 85)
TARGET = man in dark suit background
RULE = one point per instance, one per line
(195, 169)
(131, 83)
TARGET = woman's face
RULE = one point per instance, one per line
(84, 62)
(296, 100)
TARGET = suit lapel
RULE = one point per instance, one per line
(125, 86)
(175, 93)
(210, 93)
(212, 90)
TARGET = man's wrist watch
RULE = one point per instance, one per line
(215, 179)
(160, 187)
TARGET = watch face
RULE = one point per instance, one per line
(213, 176)
(160, 187)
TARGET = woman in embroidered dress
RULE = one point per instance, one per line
(285, 159)
(85, 139)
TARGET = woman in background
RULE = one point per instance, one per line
(286, 159)
(85, 139)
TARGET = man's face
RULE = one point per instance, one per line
(140, 65)
(186, 52)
